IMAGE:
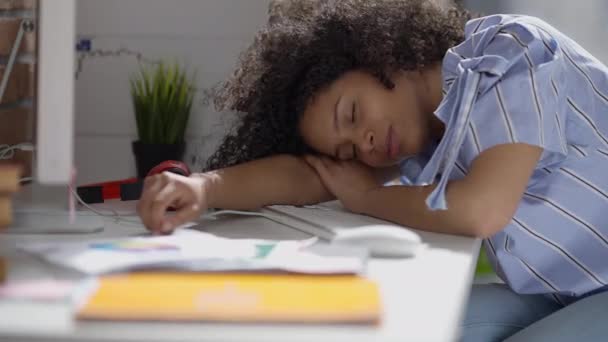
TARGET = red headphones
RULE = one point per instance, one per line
(127, 189)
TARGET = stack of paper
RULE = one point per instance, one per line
(9, 185)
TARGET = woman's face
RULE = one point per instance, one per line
(357, 117)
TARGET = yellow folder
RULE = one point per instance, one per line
(235, 298)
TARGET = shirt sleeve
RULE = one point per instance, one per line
(522, 105)
(502, 93)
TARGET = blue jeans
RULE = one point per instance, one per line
(496, 313)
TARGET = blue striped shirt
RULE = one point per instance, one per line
(516, 79)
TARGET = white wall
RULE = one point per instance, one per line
(206, 35)
(584, 20)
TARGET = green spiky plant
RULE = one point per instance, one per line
(162, 98)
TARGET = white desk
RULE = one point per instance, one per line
(423, 297)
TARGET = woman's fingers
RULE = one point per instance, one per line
(164, 191)
(160, 203)
(152, 185)
(183, 215)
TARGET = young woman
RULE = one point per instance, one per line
(497, 126)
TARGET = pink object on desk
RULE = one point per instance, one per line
(38, 290)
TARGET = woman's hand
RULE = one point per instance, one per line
(187, 195)
(349, 181)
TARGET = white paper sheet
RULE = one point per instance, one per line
(194, 251)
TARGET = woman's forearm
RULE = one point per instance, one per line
(406, 205)
(281, 179)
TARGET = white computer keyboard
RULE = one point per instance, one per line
(329, 217)
(329, 221)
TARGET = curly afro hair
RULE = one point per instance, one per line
(291, 59)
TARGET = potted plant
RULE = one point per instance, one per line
(162, 99)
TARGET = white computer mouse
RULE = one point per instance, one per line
(383, 241)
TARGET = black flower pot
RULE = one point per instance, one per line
(148, 156)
